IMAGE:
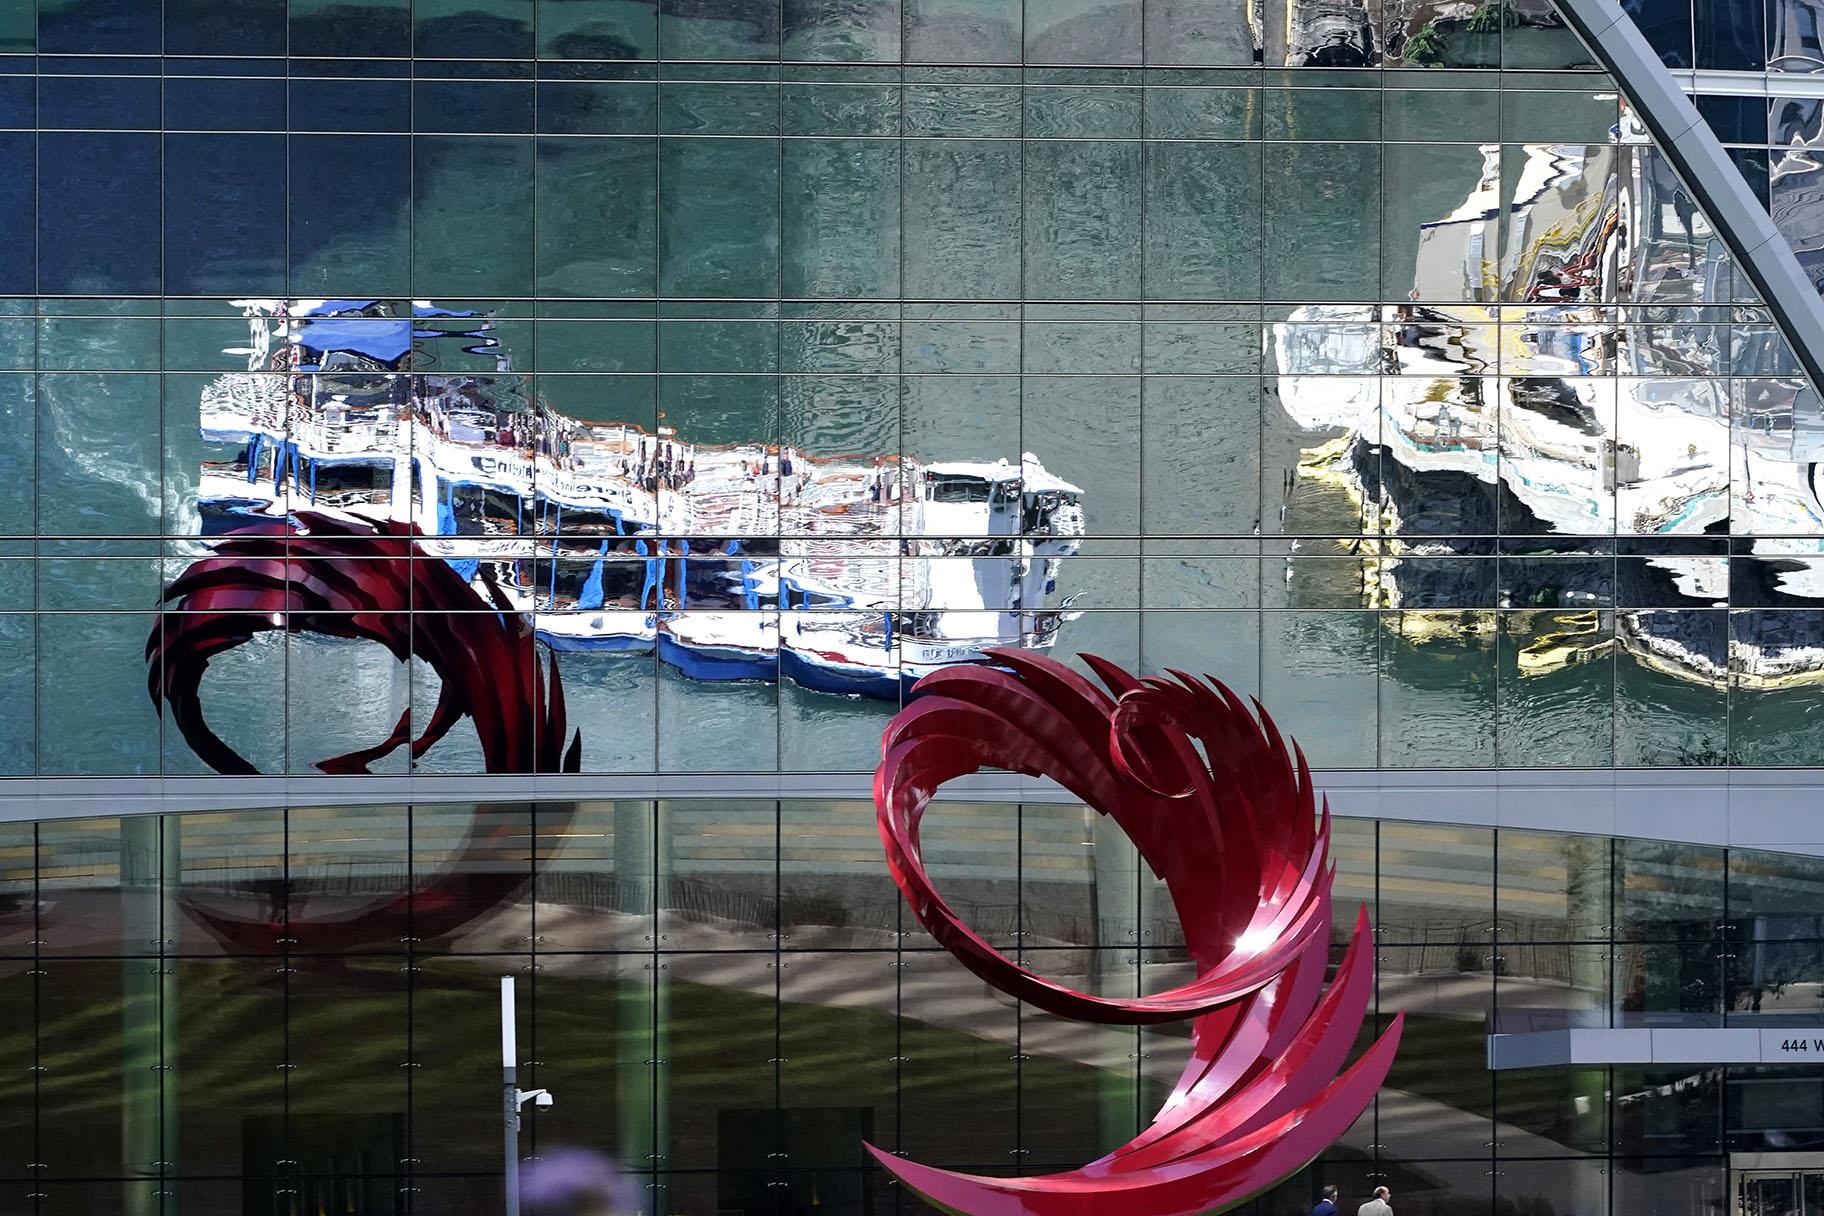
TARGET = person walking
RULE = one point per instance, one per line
(1327, 1205)
(1379, 1205)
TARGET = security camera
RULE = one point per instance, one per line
(540, 1098)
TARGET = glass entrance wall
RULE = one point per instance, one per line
(295, 1011)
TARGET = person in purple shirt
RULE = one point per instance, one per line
(1327, 1205)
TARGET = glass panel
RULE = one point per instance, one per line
(348, 1026)
(1671, 684)
(224, 1035)
(1668, 984)
(1318, 670)
(1775, 984)
(1320, 243)
(1437, 893)
(595, 875)
(838, 1036)
(472, 877)
(962, 219)
(1774, 896)
(718, 872)
(719, 1073)
(1439, 1096)
(455, 1019)
(719, 217)
(98, 886)
(958, 1039)
(1665, 1113)
(226, 884)
(1437, 689)
(592, 1024)
(1772, 721)
(841, 219)
(1079, 882)
(1552, 888)
(1556, 688)
(1765, 1108)
(834, 891)
(962, 31)
(99, 1048)
(595, 222)
(18, 1051)
(1086, 1075)
(1554, 1188)
(1667, 892)
(1082, 220)
(346, 879)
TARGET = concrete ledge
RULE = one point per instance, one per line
(1773, 809)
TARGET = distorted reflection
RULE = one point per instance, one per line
(1593, 408)
(853, 573)
(1331, 34)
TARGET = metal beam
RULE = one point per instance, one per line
(1761, 253)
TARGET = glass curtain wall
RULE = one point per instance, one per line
(766, 358)
(297, 1011)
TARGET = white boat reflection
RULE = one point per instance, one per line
(847, 573)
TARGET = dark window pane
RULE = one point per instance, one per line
(479, 106)
(224, 104)
(18, 102)
(472, 216)
(225, 214)
(351, 105)
(98, 102)
(1729, 35)
(346, 240)
(1752, 163)
(592, 107)
(98, 222)
(224, 27)
(18, 258)
(595, 217)
(1667, 26)
(719, 217)
(99, 27)
(1739, 120)
(472, 29)
(351, 27)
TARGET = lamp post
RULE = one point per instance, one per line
(512, 1096)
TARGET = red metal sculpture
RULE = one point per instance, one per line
(348, 578)
(1234, 833)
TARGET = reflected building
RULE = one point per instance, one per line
(730, 367)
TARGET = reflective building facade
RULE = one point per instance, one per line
(763, 356)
